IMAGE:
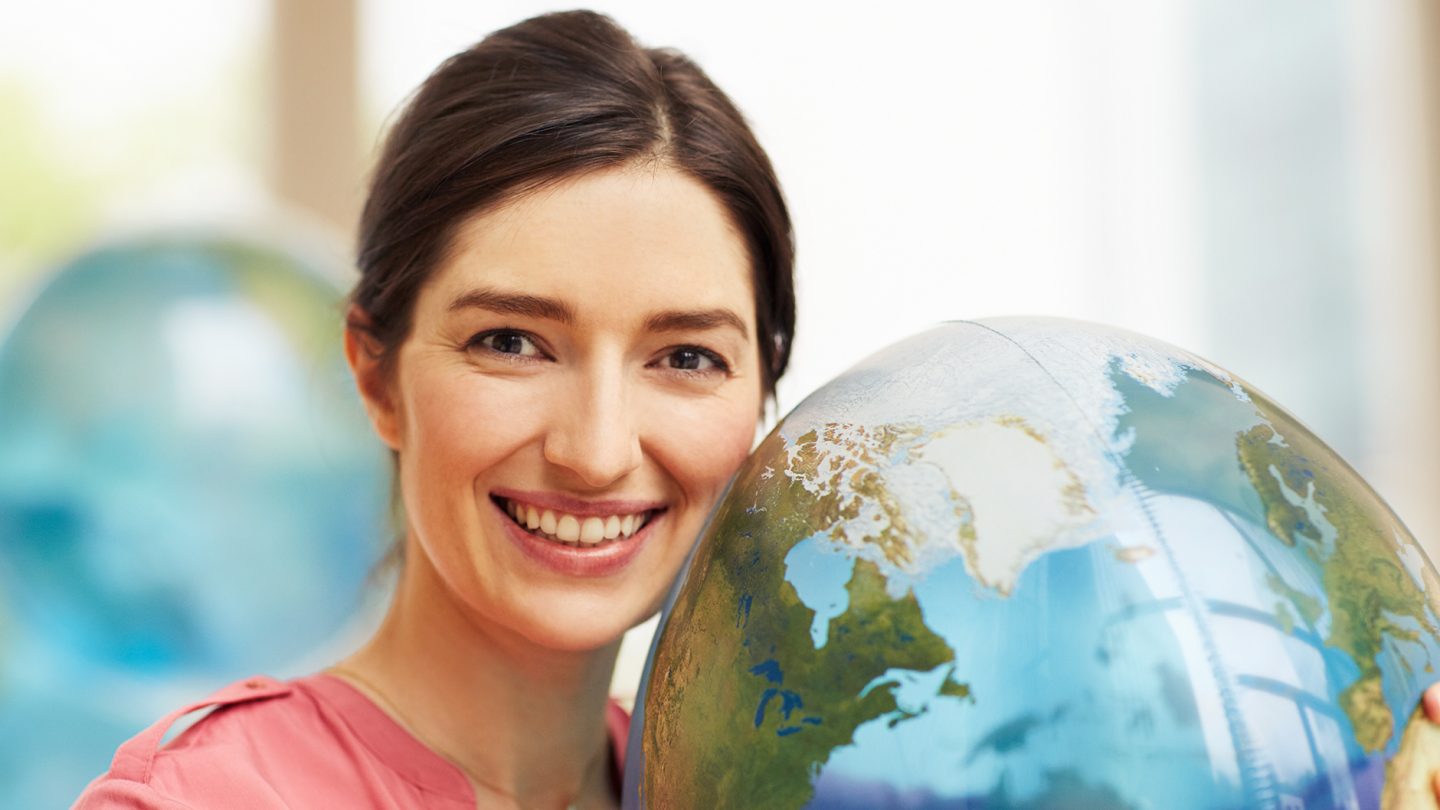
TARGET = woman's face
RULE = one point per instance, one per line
(580, 382)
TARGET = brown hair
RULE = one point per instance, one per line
(543, 100)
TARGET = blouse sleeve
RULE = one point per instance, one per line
(130, 783)
(106, 793)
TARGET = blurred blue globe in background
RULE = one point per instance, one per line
(189, 493)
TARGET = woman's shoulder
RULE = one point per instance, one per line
(203, 761)
(311, 742)
(219, 761)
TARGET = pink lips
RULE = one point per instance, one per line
(575, 506)
(600, 560)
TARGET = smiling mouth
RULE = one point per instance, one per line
(576, 531)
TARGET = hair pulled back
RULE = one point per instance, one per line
(547, 99)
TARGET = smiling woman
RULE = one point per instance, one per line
(585, 354)
(575, 295)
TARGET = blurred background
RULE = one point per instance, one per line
(1253, 181)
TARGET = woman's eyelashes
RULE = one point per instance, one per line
(509, 345)
(693, 361)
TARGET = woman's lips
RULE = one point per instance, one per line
(603, 542)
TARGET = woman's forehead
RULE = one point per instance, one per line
(639, 238)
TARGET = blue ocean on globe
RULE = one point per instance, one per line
(1036, 563)
(189, 493)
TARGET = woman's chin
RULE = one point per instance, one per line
(575, 626)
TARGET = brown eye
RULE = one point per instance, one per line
(504, 341)
(686, 359)
(695, 359)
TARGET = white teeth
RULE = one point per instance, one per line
(572, 529)
(568, 529)
(592, 531)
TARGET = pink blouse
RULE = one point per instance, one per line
(311, 742)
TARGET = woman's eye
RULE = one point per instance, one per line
(690, 358)
(511, 343)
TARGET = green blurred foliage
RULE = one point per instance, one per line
(60, 186)
(47, 204)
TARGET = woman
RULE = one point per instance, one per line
(575, 295)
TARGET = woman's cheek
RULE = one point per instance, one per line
(704, 443)
(473, 421)
(734, 444)
(459, 428)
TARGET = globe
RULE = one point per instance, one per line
(189, 492)
(1035, 563)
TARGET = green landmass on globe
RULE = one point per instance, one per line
(821, 708)
(1362, 575)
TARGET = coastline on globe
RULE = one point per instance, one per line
(1016, 562)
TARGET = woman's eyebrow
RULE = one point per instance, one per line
(695, 320)
(534, 306)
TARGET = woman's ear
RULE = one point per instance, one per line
(364, 354)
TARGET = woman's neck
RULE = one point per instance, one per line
(525, 723)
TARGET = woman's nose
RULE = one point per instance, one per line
(594, 435)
